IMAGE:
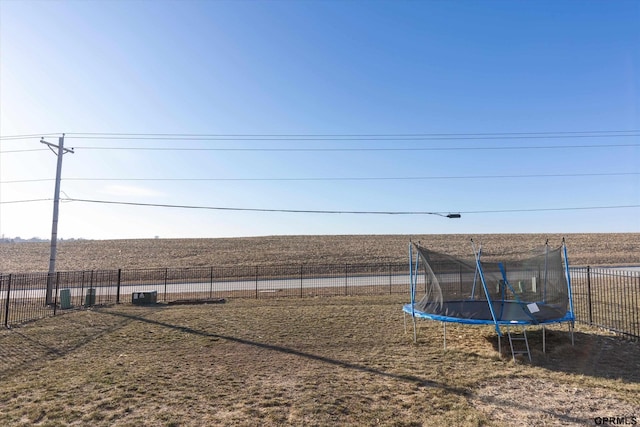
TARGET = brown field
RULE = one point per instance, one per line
(313, 362)
(583, 249)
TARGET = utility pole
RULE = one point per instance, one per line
(56, 201)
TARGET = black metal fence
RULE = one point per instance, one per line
(23, 296)
(603, 297)
(608, 298)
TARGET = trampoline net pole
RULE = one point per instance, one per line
(413, 281)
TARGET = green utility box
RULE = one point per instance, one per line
(143, 298)
(90, 298)
(65, 299)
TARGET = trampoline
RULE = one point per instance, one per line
(478, 313)
(525, 289)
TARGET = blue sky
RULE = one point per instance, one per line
(557, 71)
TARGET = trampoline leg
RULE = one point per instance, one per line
(404, 318)
(444, 330)
(499, 346)
(544, 340)
(415, 333)
(571, 331)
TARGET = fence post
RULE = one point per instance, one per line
(589, 295)
(84, 304)
(210, 282)
(300, 280)
(6, 309)
(256, 282)
(346, 279)
(55, 298)
(636, 293)
(166, 273)
(390, 292)
(118, 288)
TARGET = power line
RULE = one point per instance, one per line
(324, 149)
(33, 135)
(21, 181)
(579, 208)
(259, 209)
(400, 178)
(306, 211)
(356, 134)
(369, 135)
(335, 136)
(396, 178)
(371, 149)
(24, 201)
(23, 151)
(406, 137)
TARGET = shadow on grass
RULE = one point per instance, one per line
(20, 350)
(595, 355)
(28, 350)
(420, 382)
(600, 356)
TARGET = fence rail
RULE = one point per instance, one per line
(603, 297)
(607, 298)
(23, 296)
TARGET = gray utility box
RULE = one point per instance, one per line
(90, 298)
(65, 299)
(142, 298)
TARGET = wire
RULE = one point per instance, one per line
(24, 201)
(23, 151)
(341, 137)
(381, 135)
(396, 178)
(20, 181)
(257, 209)
(407, 178)
(539, 147)
(17, 137)
(345, 211)
(334, 137)
(207, 136)
(393, 138)
(554, 209)
(528, 147)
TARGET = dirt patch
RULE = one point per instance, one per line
(542, 402)
(197, 301)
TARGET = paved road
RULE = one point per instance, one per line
(260, 286)
(264, 286)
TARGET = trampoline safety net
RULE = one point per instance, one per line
(532, 290)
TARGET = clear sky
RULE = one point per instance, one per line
(523, 116)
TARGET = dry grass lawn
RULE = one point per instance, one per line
(315, 361)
